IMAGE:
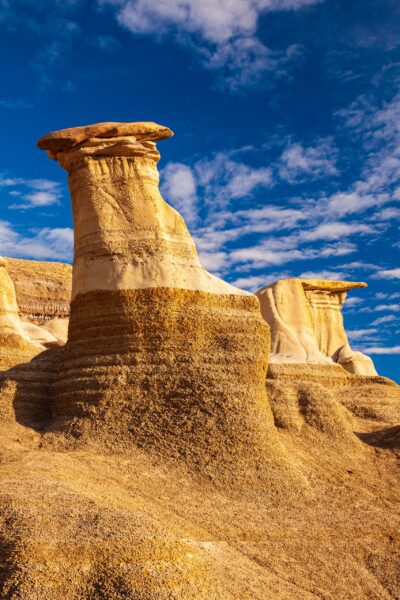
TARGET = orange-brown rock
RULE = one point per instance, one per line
(306, 323)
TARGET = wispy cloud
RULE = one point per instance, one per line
(387, 274)
(356, 335)
(382, 350)
(223, 35)
(31, 193)
(385, 319)
(46, 243)
(179, 186)
(298, 162)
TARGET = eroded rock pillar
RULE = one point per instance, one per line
(160, 353)
(306, 323)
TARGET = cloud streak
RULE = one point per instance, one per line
(223, 35)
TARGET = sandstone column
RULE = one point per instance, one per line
(160, 354)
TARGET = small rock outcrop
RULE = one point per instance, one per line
(160, 353)
(43, 293)
(306, 323)
(15, 345)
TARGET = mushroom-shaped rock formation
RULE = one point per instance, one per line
(15, 345)
(160, 353)
(306, 323)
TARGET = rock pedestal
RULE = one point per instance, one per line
(160, 353)
(306, 323)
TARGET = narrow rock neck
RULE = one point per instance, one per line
(126, 235)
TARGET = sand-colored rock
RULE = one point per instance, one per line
(126, 236)
(15, 345)
(306, 323)
(160, 354)
(43, 289)
(142, 460)
(43, 294)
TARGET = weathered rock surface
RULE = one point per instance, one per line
(43, 293)
(15, 345)
(43, 289)
(142, 460)
(161, 354)
(306, 323)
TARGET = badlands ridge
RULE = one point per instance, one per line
(161, 436)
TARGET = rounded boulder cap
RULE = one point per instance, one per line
(64, 139)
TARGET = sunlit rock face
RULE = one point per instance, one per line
(160, 353)
(15, 345)
(306, 323)
(43, 294)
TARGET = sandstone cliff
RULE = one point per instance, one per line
(306, 323)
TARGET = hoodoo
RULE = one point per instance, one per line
(160, 353)
(306, 323)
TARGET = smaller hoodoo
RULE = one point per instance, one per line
(306, 323)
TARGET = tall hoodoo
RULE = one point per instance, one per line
(160, 353)
(306, 323)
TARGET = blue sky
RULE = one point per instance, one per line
(286, 155)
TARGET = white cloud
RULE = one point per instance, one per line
(335, 230)
(33, 193)
(252, 282)
(385, 319)
(47, 243)
(389, 214)
(179, 187)
(361, 334)
(298, 162)
(382, 350)
(387, 296)
(386, 307)
(224, 179)
(353, 301)
(323, 274)
(387, 274)
(224, 34)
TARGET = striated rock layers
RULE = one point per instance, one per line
(160, 353)
(15, 346)
(306, 323)
(43, 289)
(158, 404)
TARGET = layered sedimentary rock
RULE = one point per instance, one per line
(160, 354)
(306, 323)
(164, 373)
(15, 345)
(43, 289)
